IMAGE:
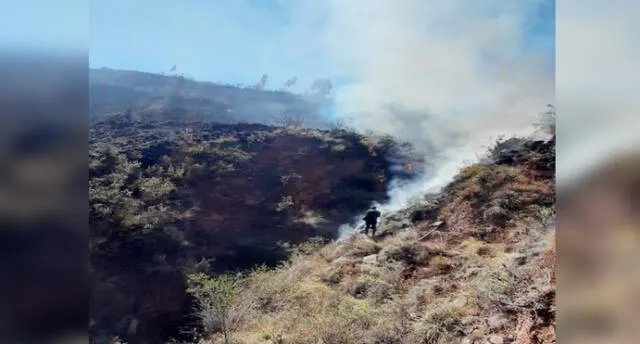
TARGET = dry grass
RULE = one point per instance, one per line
(437, 290)
(373, 303)
(441, 325)
(356, 246)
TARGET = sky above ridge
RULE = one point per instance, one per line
(365, 48)
(231, 41)
(497, 55)
(239, 41)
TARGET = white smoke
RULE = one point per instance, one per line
(444, 75)
(450, 60)
(449, 164)
(597, 85)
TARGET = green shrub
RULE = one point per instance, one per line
(215, 299)
(441, 326)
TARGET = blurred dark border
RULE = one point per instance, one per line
(44, 294)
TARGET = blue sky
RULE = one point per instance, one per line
(44, 25)
(232, 41)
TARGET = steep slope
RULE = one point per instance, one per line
(170, 198)
(473, 264)
(161, 97)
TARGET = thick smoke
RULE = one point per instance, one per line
(444, 75)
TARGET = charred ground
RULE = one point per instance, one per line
(169, 198)
(473, 264)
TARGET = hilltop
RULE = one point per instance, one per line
(159, 97)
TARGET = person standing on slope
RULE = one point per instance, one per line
(371, 221)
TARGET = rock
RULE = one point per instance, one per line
(393, 218)
(496, 216)
(497, 322)
(468, 321)
(521, 260)
(438, 224)
(370, 259)
(437, 289)
(495, 339)
(484, 251)
(428, 213)
(341, 260)
(433, 198)
(467, 341)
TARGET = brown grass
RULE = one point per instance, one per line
(437, 290)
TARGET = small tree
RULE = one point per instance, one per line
(291, 82)
(262, 83)
(290, 120)
(342, 124)
(215, 300)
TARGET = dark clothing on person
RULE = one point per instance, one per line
(370, 225)
(371, 220)
(372, 216)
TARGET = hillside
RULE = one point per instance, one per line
(473, 264)
(163, 97)
(170, 198)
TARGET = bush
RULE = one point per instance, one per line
(357, 247)
(393, 323)
(369, 287)
(441, 326)
(472, 171)
(412, 253)
(308, 247)
(345, 324)
(497, 289)
(268, 289)
(215, 300)
(496, 216)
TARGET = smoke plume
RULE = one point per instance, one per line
(446, 76)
